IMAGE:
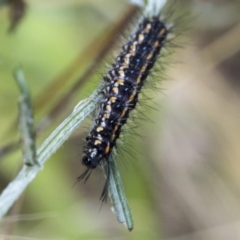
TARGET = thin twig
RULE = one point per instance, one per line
(26, 122)
(117, 194)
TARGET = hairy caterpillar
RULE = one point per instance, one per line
(122, 84)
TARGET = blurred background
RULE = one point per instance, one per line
(182, 177)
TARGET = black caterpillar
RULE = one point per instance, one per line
(123, 83)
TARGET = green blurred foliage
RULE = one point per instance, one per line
(173, 171)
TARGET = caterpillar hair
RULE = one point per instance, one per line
(121, 88)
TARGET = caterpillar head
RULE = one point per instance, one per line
(92, 158)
